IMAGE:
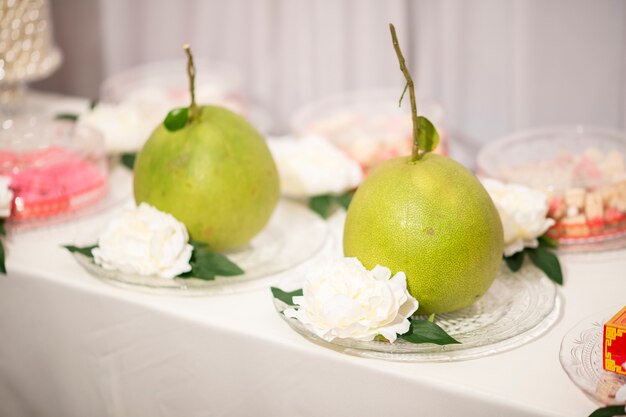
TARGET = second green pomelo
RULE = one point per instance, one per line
(216, 175)
(433, 220)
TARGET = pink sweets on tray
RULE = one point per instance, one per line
(55, 168)
(581, 170)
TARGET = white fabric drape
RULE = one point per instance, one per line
(496, 66)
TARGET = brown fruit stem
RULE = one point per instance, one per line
(191, 72)
(415, 155)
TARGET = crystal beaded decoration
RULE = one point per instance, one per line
(27, 50)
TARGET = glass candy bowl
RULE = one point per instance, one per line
(135, 101)
(164, 85)
(368, 125)
(582, 172)
(56, 168)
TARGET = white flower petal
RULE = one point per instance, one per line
(523, 212)
(381, 273)
(6, 196)
(311, 166)
(345, 300)
(145, 241)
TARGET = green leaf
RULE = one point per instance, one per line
(428, 138)
(85, 250)
(67, 116)
(207, 265)
(286, 297)
(515, 261)
(431, 318)
(128, 160)
(176, 119)
(3, 267)
(93, 103)
(548, 242)
(198, 245)
(547, 262)
(610, 411)
(3, 232)
(425, 331)
(345, 199)
(321, 205)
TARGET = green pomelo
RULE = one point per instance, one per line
(216, 175)
(433, 220)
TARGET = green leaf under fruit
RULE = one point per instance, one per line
(198, 245)
(428, 138)
(128, 160)
(321, 205)
(85, 250)
(345, 199)
(176, 119)
(93, 103)
(610, 411)
(3, 232)
(3, 267)
(67, 116)
(515, 261)
(207, 265)
(548, 242)
(425, 331)
(545, 260)
(284, 296)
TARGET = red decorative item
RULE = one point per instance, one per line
(614, 345)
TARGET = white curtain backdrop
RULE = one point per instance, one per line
(496, 66)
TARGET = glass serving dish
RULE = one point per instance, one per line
(368, 125)
(164, 85)
(293, 235)
(582, 172)
(135, 101)
(57, 169)
(518, 308)
(581, 358)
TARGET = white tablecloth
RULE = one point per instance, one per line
(71, 345)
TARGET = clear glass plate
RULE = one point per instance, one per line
(581, 358)
(517, 309)
(293, 235)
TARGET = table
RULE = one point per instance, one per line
(72, 345)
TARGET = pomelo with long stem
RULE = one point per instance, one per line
(209, 168)
(428, 216)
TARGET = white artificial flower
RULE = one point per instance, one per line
(344, 300)
(125, 126)
(6, 196)
(311, 166)
(145, 241)
(523, 212)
